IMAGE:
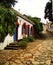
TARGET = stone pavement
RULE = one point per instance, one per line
(39, 52)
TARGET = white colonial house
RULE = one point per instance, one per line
(24, 28)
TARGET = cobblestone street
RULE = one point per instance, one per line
(39, 52)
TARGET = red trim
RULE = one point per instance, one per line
(17, 23)
(28, 26)
(24, 24)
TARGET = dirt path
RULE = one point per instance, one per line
(39, 52)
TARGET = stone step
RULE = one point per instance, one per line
(11, 48)
(13, 44)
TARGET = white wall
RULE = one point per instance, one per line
(20, 32)
(8, 39)
(21, 21)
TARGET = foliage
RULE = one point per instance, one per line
(8, 3)
(30, 38)
(22, 44)
(7, 22)
(26, 39)
(7, 18)
(48, 11)
(38, 27)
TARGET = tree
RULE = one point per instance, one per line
(7, 18)
(8, 3)
(48, 11)
(7, 22)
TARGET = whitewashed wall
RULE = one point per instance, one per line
(21, 21)
(8, 39)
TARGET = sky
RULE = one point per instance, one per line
(34, 8)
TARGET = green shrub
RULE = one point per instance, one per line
(26, 39)
(38, 27)
(22, 44)
(30, 38)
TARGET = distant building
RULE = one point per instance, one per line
(48, 26)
